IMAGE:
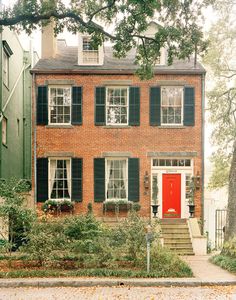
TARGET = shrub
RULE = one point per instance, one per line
(45, 240)
(229, 248)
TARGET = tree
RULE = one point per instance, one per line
(180, 30)
(222, 104)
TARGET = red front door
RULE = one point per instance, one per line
(171, 195)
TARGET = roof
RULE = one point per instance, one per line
(66, 61)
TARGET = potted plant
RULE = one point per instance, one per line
(52, 206)
(120, 205)
(191, 204)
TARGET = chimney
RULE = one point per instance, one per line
(49, 41)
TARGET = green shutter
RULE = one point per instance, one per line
(189, 106)
(42, 179)
(42, 105)
(76, 179)
(100, 106)
(99, 179)
(134, 106)
(155, 106)
(133, 179)
(76, 114)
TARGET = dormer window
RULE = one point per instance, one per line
(90, 53)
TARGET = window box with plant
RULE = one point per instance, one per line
(120, 205)
(55, 206)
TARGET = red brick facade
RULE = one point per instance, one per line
(88, 141)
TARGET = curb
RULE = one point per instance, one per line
(64, 282)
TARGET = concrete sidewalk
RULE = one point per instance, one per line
(205, 274)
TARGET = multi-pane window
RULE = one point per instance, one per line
(116, 179)
(59, 105)
(188, 180)
(4, 131)
(154, 188)
(117, 106)
(90, 53)
(171, 162)
(171, 105)
(5, 68)
(59, 179)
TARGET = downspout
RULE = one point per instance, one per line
(33, 118)
(203, 151)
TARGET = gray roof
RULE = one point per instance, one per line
(66, 61)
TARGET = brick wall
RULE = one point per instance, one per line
(89, 141)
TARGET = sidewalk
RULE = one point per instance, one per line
(205, 274)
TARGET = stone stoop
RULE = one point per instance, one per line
(176, 236)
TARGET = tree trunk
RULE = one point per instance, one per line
(230, 230)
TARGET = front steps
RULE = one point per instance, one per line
(175, 233)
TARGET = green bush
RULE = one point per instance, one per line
(229, 248)
(45, 240)
(225, 262)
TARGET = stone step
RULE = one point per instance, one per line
(174, 226)
(174, 242)
(177, 231)
(173, 221)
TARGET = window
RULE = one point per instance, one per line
(171, 105)
(117, 106)
(188, 179)
(116, 179)
(90, 53)
(171, 162)
(59, 105)
(5, 69)
(59, 179)
(4, 131)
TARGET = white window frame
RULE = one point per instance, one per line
(182, 106)
(4, 131)
(49, 178)
(5, 67)
(107, 178)
(95, 52)
(107, 105)
(49, 103)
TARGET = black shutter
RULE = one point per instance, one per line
(99, 179)
(133, 179)
(76, 115)
(76, 179)
(42, 105)
(155, 106)
(100, 105)
(189, 106)
(42, 179)
(134, 106)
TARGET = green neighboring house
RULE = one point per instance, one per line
(15, 108)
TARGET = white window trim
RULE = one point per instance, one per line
(116, 87)
(49, 177)
(4, 130)
(6, 58)
(107, 179)
(174, 167)
(49, 99)
(182, 107)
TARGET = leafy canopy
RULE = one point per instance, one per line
(123, 22)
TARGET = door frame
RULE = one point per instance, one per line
(159, 171)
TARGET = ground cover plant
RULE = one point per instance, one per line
(83, 246)
(227, 258)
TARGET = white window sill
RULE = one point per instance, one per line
(116, 126)
(60, 126)
(172, 126)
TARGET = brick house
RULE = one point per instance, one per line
(103, 134)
